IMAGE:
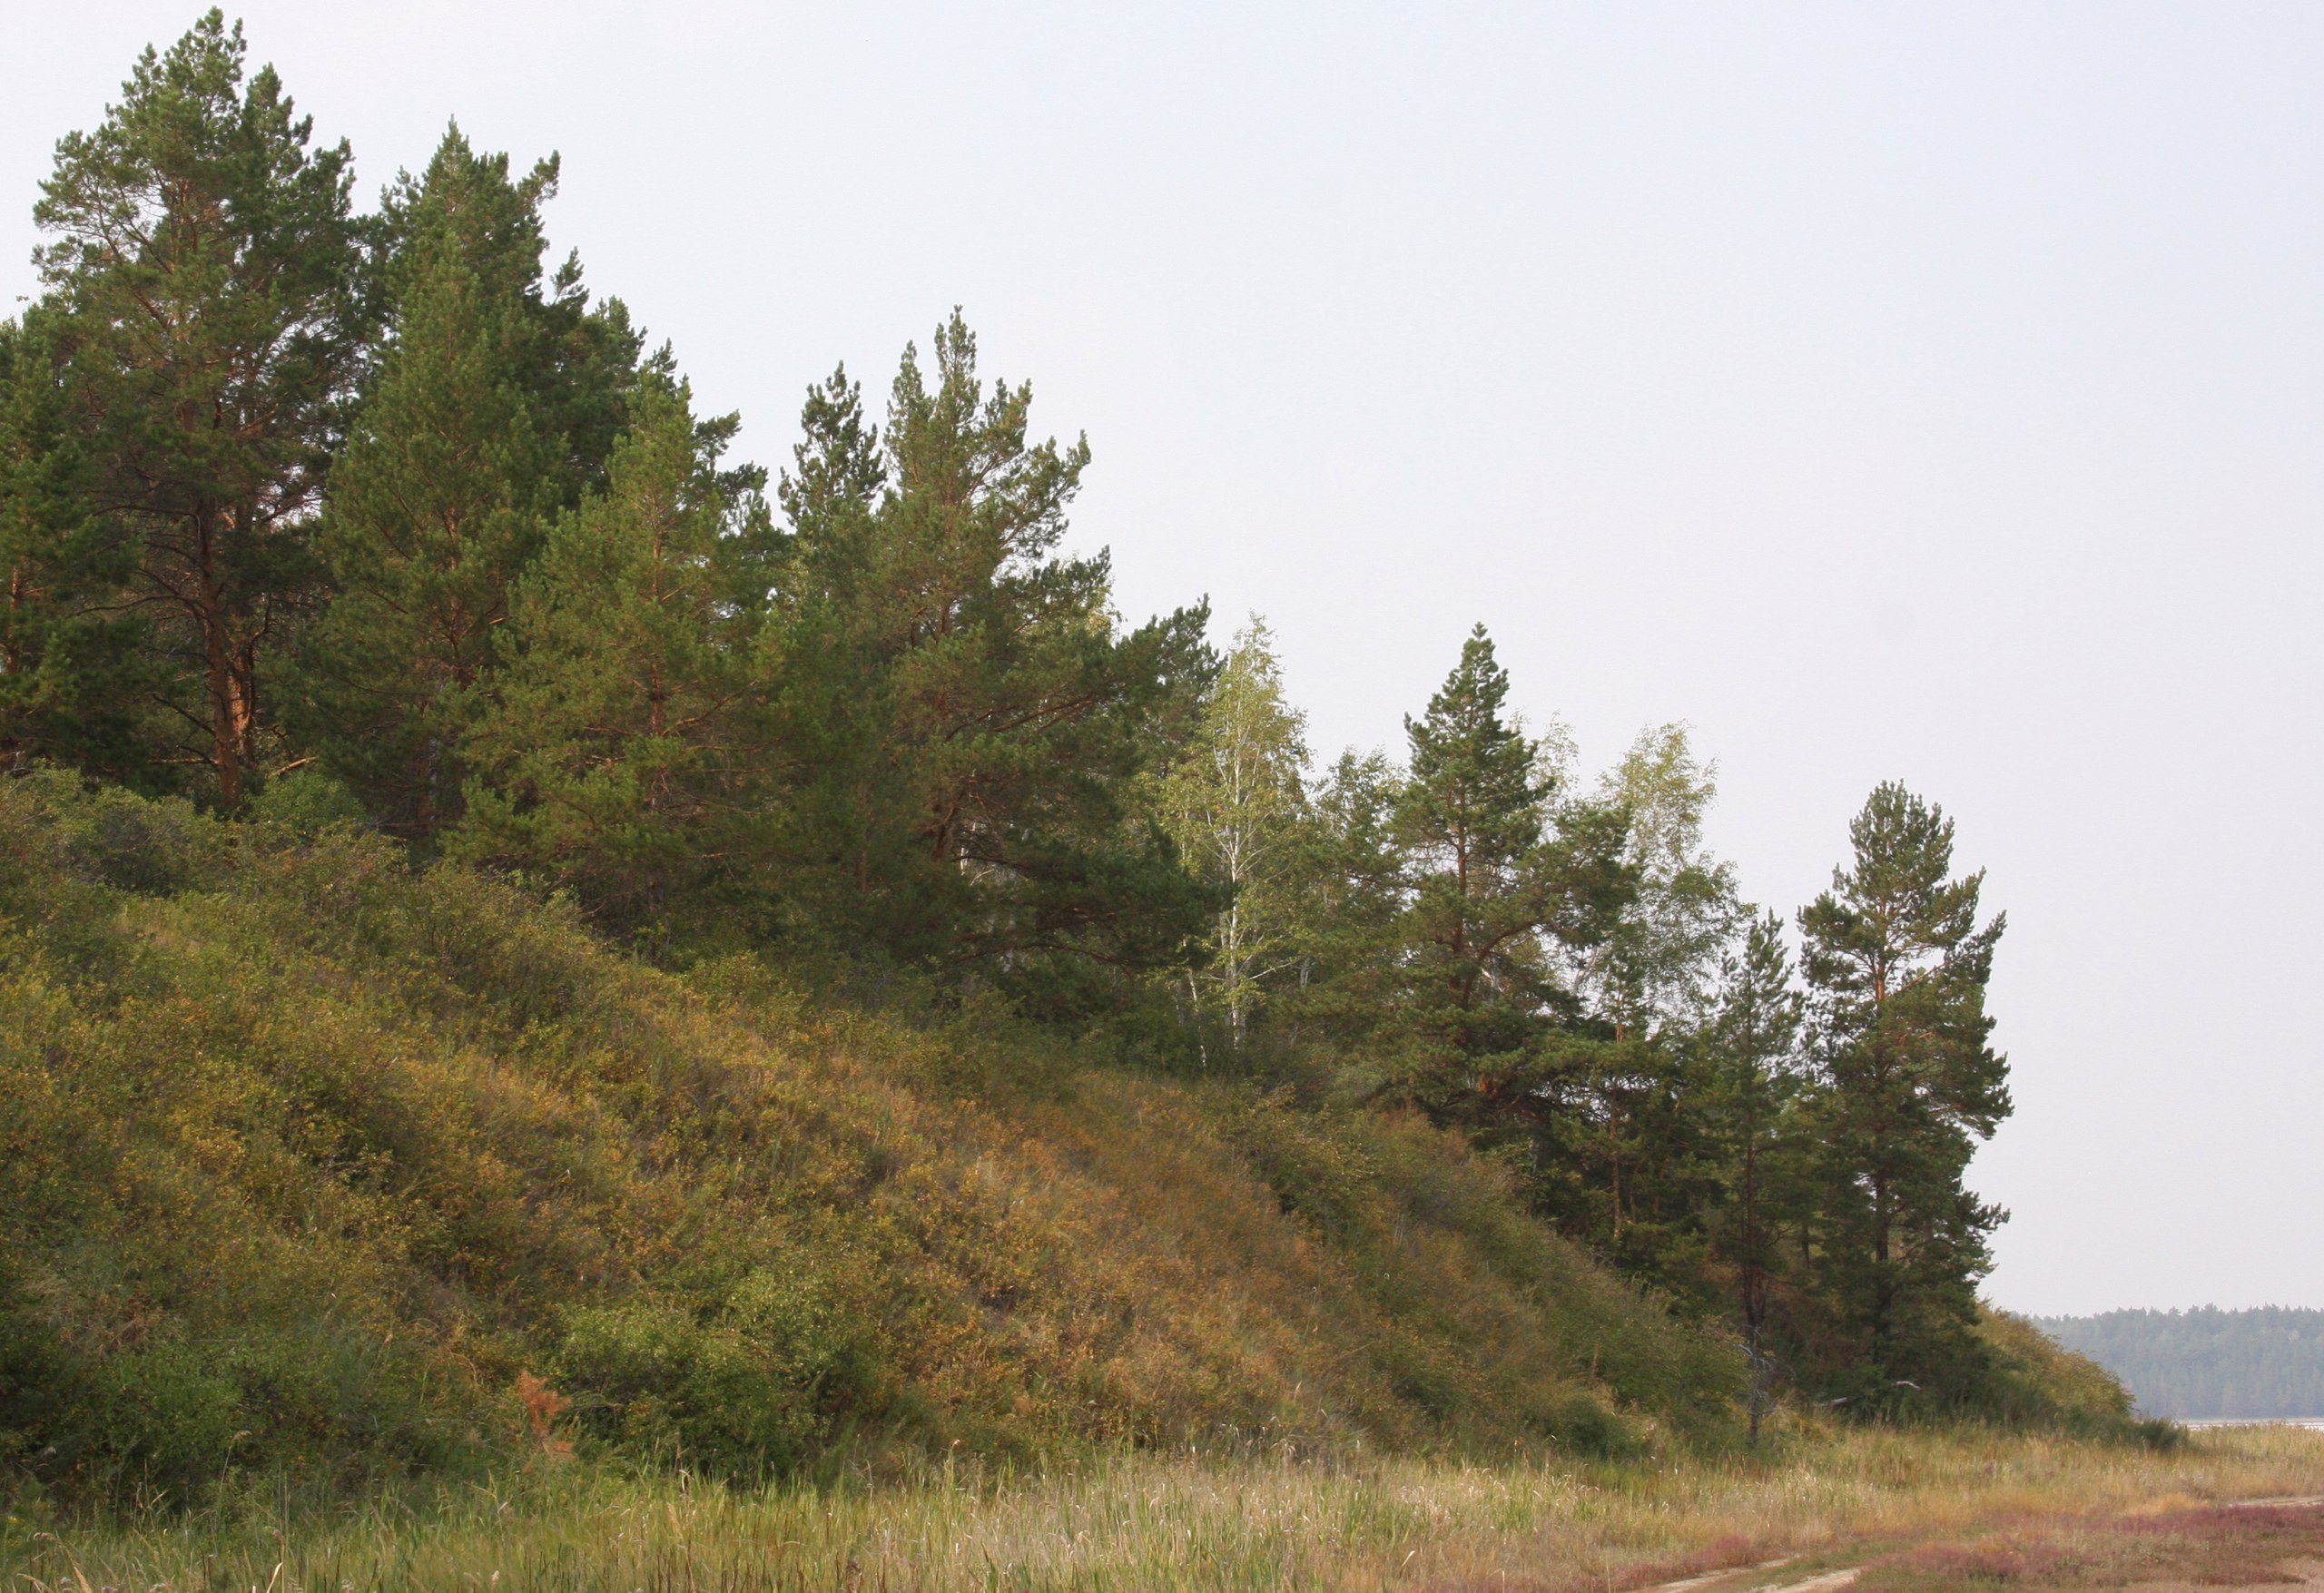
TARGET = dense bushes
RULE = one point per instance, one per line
(743, 1387)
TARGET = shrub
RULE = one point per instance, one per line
(741, 1393)
(164, 1416)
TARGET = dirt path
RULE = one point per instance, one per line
(1829, 1579)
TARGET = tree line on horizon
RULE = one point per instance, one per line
(2258, 1364)
(327, 516)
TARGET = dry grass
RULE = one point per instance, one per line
(1153, 1523)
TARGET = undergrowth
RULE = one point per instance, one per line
(325, 1170)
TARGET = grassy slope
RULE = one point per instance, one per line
(315, 1162)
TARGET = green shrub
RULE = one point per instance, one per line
(307, 801)
(41, 1383)
(742, 1393)
(2031, 1380)
(167, 1419)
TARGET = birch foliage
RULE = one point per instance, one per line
(1236, 805)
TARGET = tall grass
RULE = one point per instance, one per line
(1152, 1522)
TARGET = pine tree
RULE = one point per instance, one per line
(1898, 966)
(205, 269)
(71, 684)
(577, 358)
(1235, 803)
(1750, 1081)
(1474, 818)
(1504, 885)
(448, 482)
(971, 718)
(848, 848)
(1350, 886)
(615, 750)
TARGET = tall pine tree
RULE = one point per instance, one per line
(616, 750)
(1474, 818)
(454, 468)
(1504, 884)
(1350, 883)
(970, 720)
(206, 272)
(1896, 964)
(1749, 1081)
(72, 674)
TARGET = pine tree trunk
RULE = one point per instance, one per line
(228, 708)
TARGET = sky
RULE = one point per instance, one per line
(1921, 391)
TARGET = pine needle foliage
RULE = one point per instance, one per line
(204, 271)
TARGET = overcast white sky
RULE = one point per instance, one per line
(1917, 391)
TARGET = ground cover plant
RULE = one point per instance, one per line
(2179, 1545)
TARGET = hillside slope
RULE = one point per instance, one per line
(317, 1161)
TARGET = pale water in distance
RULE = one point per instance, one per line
(2313, 1423)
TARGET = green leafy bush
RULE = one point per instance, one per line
(746, 1391)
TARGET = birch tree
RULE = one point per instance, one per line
(1235, 804)
(1663, 959)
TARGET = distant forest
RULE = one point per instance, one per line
(2206, 1362)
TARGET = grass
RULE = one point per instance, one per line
(1152, 1522)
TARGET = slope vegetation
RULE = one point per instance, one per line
(320, 1162)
